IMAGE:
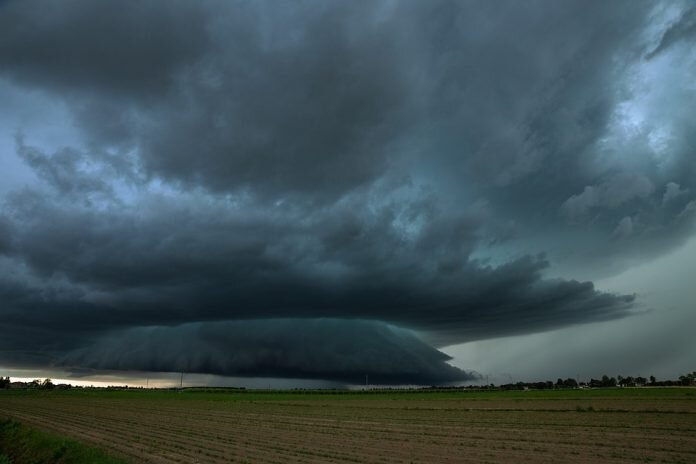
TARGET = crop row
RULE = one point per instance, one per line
(203, 431)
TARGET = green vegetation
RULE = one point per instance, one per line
(222, 394)
(688, 379)
(20, 444)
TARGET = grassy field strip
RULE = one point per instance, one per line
(641, 405)
(684, 407)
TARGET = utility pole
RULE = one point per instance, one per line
(181, 382)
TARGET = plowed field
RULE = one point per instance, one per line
(631, 425)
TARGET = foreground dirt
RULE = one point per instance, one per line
(177, 428)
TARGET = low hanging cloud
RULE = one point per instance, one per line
(329, 349)
(215, 263)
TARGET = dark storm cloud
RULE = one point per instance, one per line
(203, 83)
(78, 46)
(64, 170)
(321, 97)
(615, 192)
(327, 349)
(307, 107)
(683, 30)
(213, 263)
(4, 235)
(407, 162)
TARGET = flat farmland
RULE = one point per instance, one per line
(614, 425)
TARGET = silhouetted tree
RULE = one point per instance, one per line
(688, 379)
(570, 383)
(608, 381)
(47, 385)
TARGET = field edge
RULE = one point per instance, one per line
(20, 444)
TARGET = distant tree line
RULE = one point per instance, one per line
(45, 384)
(688, 379)
(605, 382)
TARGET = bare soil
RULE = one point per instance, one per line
(186, 429)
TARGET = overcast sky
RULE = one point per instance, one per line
(419, 191)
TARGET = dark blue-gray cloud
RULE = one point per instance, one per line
(432, 165)
(165, 262)
(336, 350)
(683, 30)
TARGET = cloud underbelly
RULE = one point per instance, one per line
(329, 349)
